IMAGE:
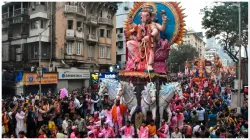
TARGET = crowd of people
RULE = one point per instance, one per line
(203, 113)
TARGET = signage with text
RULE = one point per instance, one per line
(33, 79)
(73, 75)
(111, 75)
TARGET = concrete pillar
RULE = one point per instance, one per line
(13, 10)
(8, 11)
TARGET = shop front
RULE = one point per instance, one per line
(31, 82)
(73, 78)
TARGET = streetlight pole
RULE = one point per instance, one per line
(239, 65)
(40, 57)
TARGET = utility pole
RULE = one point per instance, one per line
(40, 68)
(239, 65)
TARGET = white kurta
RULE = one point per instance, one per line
(20, 122)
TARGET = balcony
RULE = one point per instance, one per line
(18, 20)
(79, 35)
(39, 11)
(75, 10)
(102, 20)
(5, 36)
(19, 12)
(92, 38)
(120, 37)
(92, 20)
(70, 34)
(5, 15)
(5, 24)
(35, 32)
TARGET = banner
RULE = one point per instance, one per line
(32, 78)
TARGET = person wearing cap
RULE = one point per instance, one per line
(128, 130)
(91, 134)
(143, 132)
(107, 131)
(118, 112)
(163, 131)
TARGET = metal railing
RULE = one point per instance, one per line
(5, 15)
(20, 11)
(92, 37)
(75, 9)
(105, 20)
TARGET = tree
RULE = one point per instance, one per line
(178, 57)
(222, 21)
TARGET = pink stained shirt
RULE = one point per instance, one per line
(143, 132)
(108, 114)
(108, 133)
(128, 131)
(173, 123)
(180, 119)
(165, 130)
(119, 116)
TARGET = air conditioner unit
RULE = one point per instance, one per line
(79, 28)
(125, 8)
(19, 50)
(19, 58)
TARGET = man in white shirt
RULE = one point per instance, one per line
(201, 113)
(65, 124)
(196, 128)
(77, 103)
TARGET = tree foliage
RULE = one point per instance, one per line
(222, 21)
(178, 57)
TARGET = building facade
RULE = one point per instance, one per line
(210, 53)
(76, 36)
(196, 40)
(121, 16)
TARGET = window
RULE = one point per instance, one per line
(70, 24)
(78, 48)
(109, 33)
(118, 58)
(121, 30)
(101, 52)
(102, 32)
(79, 24)
(93, 31)
(70, 48)
(33, 25)
(43, 24)
(88, 27)
(101, 13)
(90, 51)
(108, 52)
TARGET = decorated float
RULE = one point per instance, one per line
(150, 29)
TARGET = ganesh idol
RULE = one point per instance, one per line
(143, 39)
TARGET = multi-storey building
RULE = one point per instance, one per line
(210, 52)
(121, 15)
(196, 40)
(77, 38)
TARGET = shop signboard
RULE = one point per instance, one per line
(73, 75)
(33, 79)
